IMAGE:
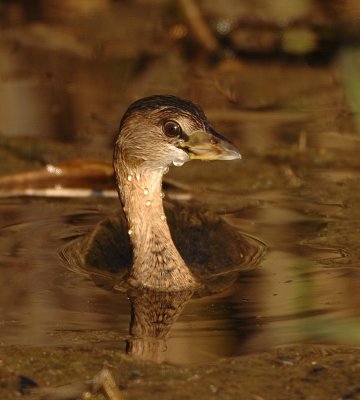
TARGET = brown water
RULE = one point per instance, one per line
(288, 298)
(72, 80)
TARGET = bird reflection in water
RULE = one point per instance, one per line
(153, 314)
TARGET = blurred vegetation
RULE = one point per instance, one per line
(70, 68)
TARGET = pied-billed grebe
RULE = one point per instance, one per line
(155, 132)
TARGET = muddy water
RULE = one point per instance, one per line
(291, 297)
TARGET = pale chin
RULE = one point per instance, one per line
(180, 158)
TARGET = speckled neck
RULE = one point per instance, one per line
(156, 262)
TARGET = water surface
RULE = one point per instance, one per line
(291, 297)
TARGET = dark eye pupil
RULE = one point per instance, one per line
(172, 128)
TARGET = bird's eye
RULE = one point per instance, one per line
(172, 128)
